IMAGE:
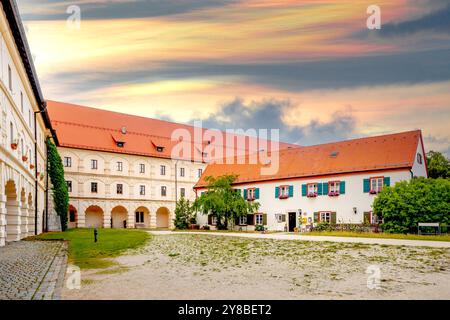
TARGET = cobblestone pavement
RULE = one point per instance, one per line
(32, 270)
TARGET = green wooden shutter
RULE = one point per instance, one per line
(319, 189)
(387, 181)
(239, 191)
(291, 191)
(333, 218)
(366, 217)
(366, 185)
(325, 188)
(250, 219)
(316, 217)
(203, 192)
(245, 193)
(304, 190)
(277, 192)
(342, 187)
(264, 219)
(256, 193)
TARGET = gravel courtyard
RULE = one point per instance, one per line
(183, 266)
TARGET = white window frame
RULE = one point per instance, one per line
(67, 162)
(213, 220)
(163, 191)
(162, 170)
(119, 166)
(94, 164)
(141, 168)
(284, 191)
(251, 194)
(243, 220)
(182, 172)
(280, 217)
(259, 219)
(376, 184)
(325, 216)
(312, 189)
(142, 190)
(334, 186)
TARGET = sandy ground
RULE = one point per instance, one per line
(188, 266)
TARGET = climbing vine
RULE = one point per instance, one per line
(60, 192)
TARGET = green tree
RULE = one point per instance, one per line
(438, 165)
(60, 192)
(223, 201)
(184, 214)
(407, 203)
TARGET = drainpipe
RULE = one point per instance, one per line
(46, 188)
(176, 182)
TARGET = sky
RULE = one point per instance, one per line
(311, 68)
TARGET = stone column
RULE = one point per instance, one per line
(81, 219)
(2, 220)
(13, 220)
(31, 219)
(152, 215)
(130, 219)
(107, 214)
(24, 221)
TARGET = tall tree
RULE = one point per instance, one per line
(224, 202)
(438, 165)
(184, 214)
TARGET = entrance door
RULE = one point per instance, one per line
(292, 221)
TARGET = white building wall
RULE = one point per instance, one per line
(343, 204)
(17, 176)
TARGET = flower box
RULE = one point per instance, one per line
(31, 166)
(14, 146)
(312, 195)
(373, 192)
(24, 158)
(333, 194)
(41, 176)
(284, 196)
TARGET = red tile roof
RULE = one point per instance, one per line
(393, 151)
(95, 129)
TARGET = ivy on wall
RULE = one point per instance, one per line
(60, 192)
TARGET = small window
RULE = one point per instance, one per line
(243, 220)
(94, 187)
(182, 192)
(163, 170)
(120, 144)
(160, 149)
(67, 162)
(325, 217)
(142, 190)
(376, 184)
(72, 216)
(21, 102)
(199, 172)
(258, 219)
(9, 78)
(163, 191)
(333, 188)
(419, 158)
(251, 194)
(119, 166)
(119, 188)
(284, 191)
(280, 217)
(181, 172)
(214, 220)
(139, 217)
(312, 189)
(11, 133)
(94, 164)
(69, 186)
(141, 168)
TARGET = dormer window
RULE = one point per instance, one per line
(159, 149)
(119, 139)
(120, 144)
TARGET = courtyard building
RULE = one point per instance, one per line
(120, 170)
(24, 126)
(333, 182)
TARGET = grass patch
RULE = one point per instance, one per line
(87, 254)
(445, 237)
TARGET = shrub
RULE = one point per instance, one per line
(206, 227)
(184, 214)
(259, 227)
(406, 204)
(323, 226)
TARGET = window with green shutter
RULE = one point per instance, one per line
(316, 217)
(256, 193)
(291, 191)
(325, 188)
(319, 189)
(342, 187)
(245, 193)
(387, 181)
(277, 192)
(304, 190)
(366, 187)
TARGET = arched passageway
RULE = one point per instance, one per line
(162, 217)
(94, 217)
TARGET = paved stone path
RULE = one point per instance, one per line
(31, 270)
(289, 236)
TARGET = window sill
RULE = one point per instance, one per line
(334, 194)
(312, 195)
(283, 197)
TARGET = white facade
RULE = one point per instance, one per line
(349, 208)
(17, 173)
(95, 199)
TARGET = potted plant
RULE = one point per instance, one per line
(31, 166)
(14, 144)
(24, 158)
(41, 176)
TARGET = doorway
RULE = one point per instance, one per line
(292, 221)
